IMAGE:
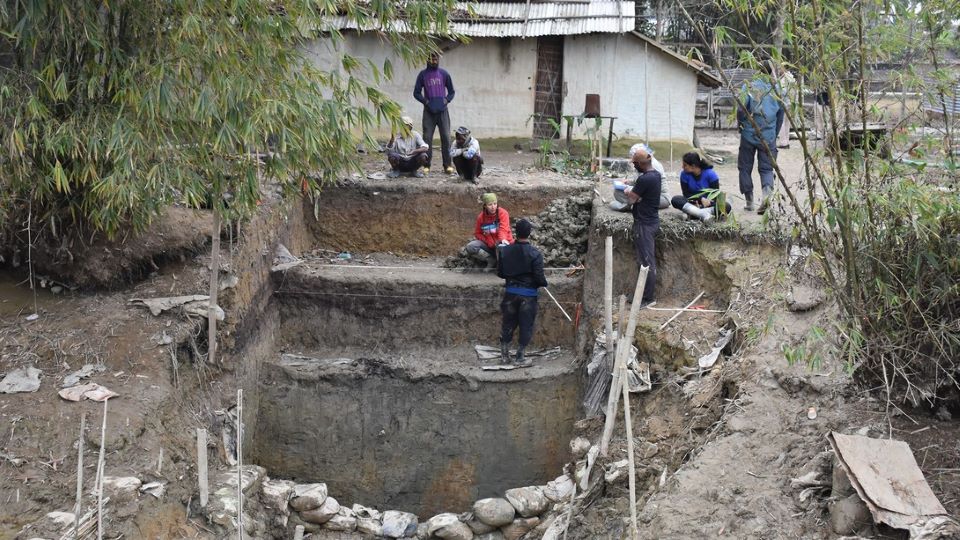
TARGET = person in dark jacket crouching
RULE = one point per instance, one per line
(521, 265)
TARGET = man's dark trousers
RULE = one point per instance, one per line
(470, 169)
(518, 310)
(764, 166)
(432, 121)
(643, 245)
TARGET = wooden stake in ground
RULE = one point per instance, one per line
(608, 294)
(100, 466)
(623, 352)
(78, 508)
(628, 422)
(202, 466)
(240, 464)
(214, 283)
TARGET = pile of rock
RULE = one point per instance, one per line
(562, 229)
(276, 508)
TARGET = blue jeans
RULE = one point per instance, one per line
(517, 311)
(745, 157)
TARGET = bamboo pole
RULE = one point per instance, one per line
(240, 464)
(628, 422)
(608, 295)
(100, 467)
(622, 355)
(614, 373)
(202, 467)
(78, 507)
(677, 314)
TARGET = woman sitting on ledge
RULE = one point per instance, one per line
(701, 190)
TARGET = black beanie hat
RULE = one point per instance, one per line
(523, 228)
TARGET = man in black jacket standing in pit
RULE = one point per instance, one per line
(521, 265)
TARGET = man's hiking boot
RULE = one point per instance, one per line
(449, 170)
(765, 203)
(749, 206)
(418, 174)
(504, 353)
(426, 170)
(520, 361)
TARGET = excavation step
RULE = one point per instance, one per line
(330, 305)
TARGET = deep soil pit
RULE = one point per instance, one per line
(374, 387)
(384, 398)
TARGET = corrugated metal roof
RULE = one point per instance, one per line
(932, 101)
(522, 19)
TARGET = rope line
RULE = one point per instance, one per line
(458, 269)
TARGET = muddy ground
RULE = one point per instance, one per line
(728, 442)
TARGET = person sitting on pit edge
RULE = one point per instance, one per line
(621, 203)
(466, 155)
(407, 152)
(697, 176)
(521, 265)
(492, 230)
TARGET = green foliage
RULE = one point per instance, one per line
(886, 236)
(111, 111)
(718, 198)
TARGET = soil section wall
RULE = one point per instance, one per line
(325, 307)
(389, 438)
(408, 218)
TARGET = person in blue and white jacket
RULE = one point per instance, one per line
(466, 155)
(696, 179)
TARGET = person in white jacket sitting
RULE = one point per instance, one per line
(620, 202)
(465, 152)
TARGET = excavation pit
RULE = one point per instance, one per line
(374, 387)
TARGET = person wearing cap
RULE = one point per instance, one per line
(492, 230)
(645, 196)
(620, 202)
(407, 152)
(466, 155)
(434, 88)
(521, 265)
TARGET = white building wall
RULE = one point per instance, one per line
(493, 79)
(614, 67)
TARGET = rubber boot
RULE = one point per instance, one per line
(765, 203)
(703, 214)
(520, 361)
(749, 206)
(504, 353)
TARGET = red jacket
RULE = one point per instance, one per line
(491, 229)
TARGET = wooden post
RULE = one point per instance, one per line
(608, 295)
(202, 466)
(100, 468)
(621, 359)
(628, 422)
(214, 282)
(78, 508)
(240, 464)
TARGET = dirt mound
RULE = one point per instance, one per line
(560, 231)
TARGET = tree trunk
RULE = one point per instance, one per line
(214, 284)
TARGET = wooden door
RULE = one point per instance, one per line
(548, 97)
